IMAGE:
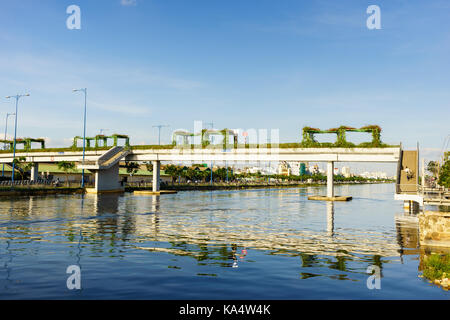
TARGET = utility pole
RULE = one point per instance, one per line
(17, 97)
(211, 124)
(159, 131)
(6, 130)
(84, 90)
(212, 141)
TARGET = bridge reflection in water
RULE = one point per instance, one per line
(215, 230)
(212, 233)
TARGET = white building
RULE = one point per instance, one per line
(283, 168)
(374, 175)
(345, 171)
(294, 168)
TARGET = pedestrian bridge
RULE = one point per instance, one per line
(105, 163)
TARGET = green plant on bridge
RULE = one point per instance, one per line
(309, 140)
(115, 137)
(25, 142)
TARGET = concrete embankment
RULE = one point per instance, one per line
(17, 192)
(207, 187)
(23, 191)
(434, 229)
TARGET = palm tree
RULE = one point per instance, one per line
(132, 167)
(149, 166)
(22, 167)
(433, 167)
(172, 171)
(66, 166)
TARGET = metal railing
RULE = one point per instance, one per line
(434, 193)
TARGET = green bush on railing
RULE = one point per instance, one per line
(309, 140)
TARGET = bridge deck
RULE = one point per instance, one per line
(241, 154)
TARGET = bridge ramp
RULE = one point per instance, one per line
(107, 160)
(408, 173)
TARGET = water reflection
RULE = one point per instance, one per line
(139, 219)
(213, 229)
(407, 226)
(330, 218)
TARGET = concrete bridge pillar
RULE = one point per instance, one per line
(34, 172)
(330, 182)
(156, 175)
(107, 180)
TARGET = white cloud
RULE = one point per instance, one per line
(124, 108)
(128, 3)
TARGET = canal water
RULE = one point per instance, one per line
(243, 244)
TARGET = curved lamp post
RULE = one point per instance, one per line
(17, 97)
(6, 131)
(159, 131)
(84, 131)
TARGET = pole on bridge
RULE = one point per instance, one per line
(330, 182)
(211, 178)
(6, 131)
(84, 131)
(17, 97)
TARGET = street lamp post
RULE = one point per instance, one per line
(212, 141)
(159, 132)
(17, 97)
(84, 131)
(211, 178)
(6, 130)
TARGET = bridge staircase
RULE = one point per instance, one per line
(408, 187)
(106, 170)
(106, 160)
(407, 183)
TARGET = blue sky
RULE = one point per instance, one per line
(242, 64)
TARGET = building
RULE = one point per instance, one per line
(314, 169)
(374, 175)
(345, 171)
(283, 168)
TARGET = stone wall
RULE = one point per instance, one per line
(434, 229)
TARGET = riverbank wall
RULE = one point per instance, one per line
(434, 229)
(30, 191)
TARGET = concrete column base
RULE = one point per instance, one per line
(34, 172)
(95, 191)
(335, 198)
(411, 206)
(157, 193)
(106, 181)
